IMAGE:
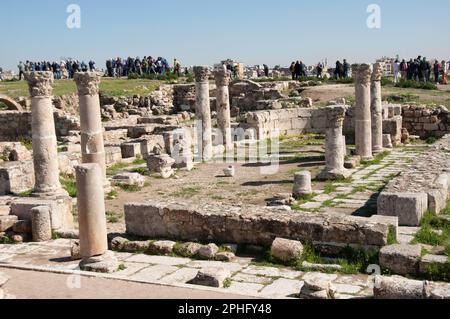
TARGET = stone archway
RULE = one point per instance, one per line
(10, 103)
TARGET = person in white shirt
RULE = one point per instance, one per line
(396, 71)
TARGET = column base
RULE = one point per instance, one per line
(377, 150)
(367, 158)
(106, 263)
(333, 175)
(50, 194)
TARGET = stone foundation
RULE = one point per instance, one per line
(249, 225)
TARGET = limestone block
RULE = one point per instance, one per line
(128, 179)
(113, 155)
(401, 259)
(22, 226)
(187, 249)
(208, 251)
(432, 260)
(16, 177)
(211, 277)
(164, 247)
(286, 250)
(397, 287)
(408, 207)
(7, 222)
(130, 150)
(60, 210)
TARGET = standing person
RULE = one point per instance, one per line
(396, 71)
(298, 70)
(404, 69)
(423, 70)
(346, 69)
(436, 71)
(428, 72)
(410, 69)
(119, 67)
(266, 70)
(444, 70)
(319, 70)
(21, 67)
(109, 67)
(338, 70)
(177, 67)
(91, 66)
(292, 69)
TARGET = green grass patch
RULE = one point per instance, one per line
(433, 231)
(112, 218)
(69, 184)
(377, 160)
(116, 168)
(121, 267)
(391, 238)
(416, 85)
(26, 193)
(329, 188)
(112, 195)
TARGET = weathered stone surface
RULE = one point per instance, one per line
(128, 179)
(409, 207)
(225, 256)
(3, 279)
(41, 224)
(401, 259)
(302, 184)
(286, 250)
(130, 150)
(428, 261)
(161, 164)
(16, 177)
(321, 267)
(75, 250)
(7, 222)
(208, 251)
(135, 246)
(187, 249)
(106, 263)
(161, 247)
(211, 277)
(118, 243)
(22, 226)
(436, 290)
(317, 286)
(248, 224)
(397, 287)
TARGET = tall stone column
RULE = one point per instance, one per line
(334, 150)
(363, 119)
(377, 109)
(222, 78)
(45, 151)
(92, 144)
(203, 112)
(91, 210)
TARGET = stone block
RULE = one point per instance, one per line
(401, 259)
(113, 155)
(128, 179)
(60, 210)
(428, 261)
(22, 226)
(16, 177)
(286, 250)
(408, 207)
(7, 222)
(130, 150)
(397, 287)
(211, 277)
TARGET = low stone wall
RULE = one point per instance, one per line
(425, 121)
(289, 121)
(423, 186)
(256, 225)
(15, 125)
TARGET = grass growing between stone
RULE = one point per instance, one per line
(69, 184)
(377, 160)
(434, 230)
(115, 169)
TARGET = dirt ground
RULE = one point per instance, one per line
(207, 183)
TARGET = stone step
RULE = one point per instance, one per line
(4, 210)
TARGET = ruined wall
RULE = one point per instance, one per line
(257, 225)
(425, 121)
(15, 125)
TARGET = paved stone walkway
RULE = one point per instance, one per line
(359, 195)
(247, 279)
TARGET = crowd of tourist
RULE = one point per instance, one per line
(298, 70)
(421, 69)
(119, 67)
(61, 70)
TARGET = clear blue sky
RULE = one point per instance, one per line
(207, 31)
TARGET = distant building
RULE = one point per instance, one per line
(388, 65)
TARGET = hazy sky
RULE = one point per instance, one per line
(207, 31)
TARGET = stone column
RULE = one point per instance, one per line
(363, 127)
(41, 225)
(222, 78)
(302, 184)
(91, 210)
(203, 112)
(92, 145)
(377, 109)
(334, 151)
(45, 151)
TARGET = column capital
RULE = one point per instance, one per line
(335, 116)
(87, 82)
(201, 73)
(377, 71)
(40, 83)
(362, 73)
(222, 77)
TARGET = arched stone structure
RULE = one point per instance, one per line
(10, 103)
